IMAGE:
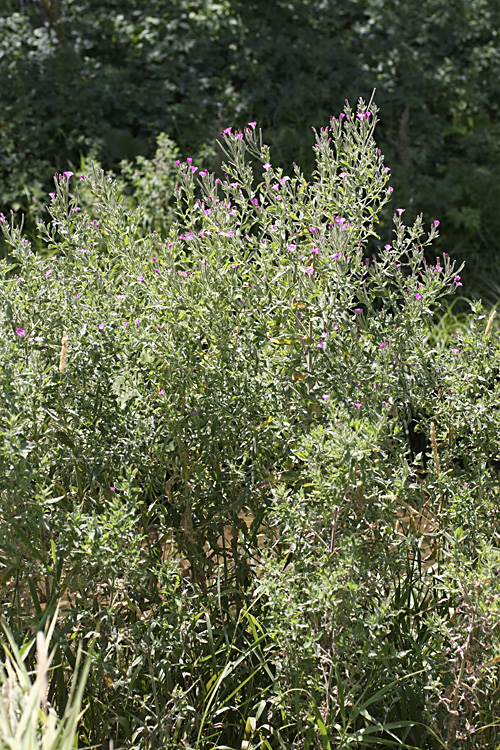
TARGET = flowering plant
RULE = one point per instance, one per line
(264, 363)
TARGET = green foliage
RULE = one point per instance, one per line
(234, 454)
(27, 722)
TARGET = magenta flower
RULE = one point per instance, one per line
(266, 166)
(162, 391)
(49, 272)
(358, 405)
(335, 255)
(140, 278)
(227, 131)
(112, 489)
(383, 345)
(291, 248)
(52, 195)
(400, 211)
(436, 223)
(455, 351)
(418, 295)
(194, 169)
(325, 397)
(457, 280)
(21, 332)
(387, 247)
(252, 124)
(68, 174)
(101, 326)
(314, 249)
(390, 189)
(309, 271)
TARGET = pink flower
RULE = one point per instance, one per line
(266, 166)
(227, 131)
(309, 271)
(358, 405)
(455, 351)
(457, 280)
(252, 124)
(101, 326)
(387, 247)
(52, 195)
(140, 278)
(390, 189)
(112, 489)
(49, 272)
(194, 169)
(383, 345)
(325, 397)
(418, 295)
(21, 332)
(436, 223)
(314, 249)
(68, 174)
(400, 211)
(291, 248)
(162, 391)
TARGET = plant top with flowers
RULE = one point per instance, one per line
(264, 363)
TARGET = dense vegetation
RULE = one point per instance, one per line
(249, 450)
(242, 471)
(96, 77)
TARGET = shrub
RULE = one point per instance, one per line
(168, 402)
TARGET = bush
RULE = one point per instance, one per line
(235, 457)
